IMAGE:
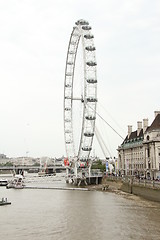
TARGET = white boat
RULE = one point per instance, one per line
(3, 182)
(16, 182)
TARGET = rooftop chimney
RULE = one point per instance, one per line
(129, 130)
(156, 113)
(145, 124)
(139, 127)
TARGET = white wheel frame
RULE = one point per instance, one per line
(89, 99)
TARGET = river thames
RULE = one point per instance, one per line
(40, 214)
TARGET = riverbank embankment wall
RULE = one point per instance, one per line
(147, 191)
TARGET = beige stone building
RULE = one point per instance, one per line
(139, 154)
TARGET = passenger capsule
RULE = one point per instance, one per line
(87, 134)
(67, 120)
(68, 74)
(90, 99)
(71, 52)
(86, 28)
(92, 80)
(90, 48)
(88, 36)
(67, 109)
(91, 64)
(90, 118)
(67, 97)
(68, 131)
(86, 148)
(82, 22)
(68, 85)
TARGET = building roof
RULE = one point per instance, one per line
(134, 136)
(155, 124)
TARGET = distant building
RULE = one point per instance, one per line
(139, 154)
(3, 156)
(3, 159)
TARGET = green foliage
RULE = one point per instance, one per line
(98, 165)
(7, 164)
(36, 164)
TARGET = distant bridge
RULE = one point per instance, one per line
(52, 168)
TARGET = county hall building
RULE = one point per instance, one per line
(139, 154)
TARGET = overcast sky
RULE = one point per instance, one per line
(34, 37)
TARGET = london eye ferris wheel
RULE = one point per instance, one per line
(80, 148)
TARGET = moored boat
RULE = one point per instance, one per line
(16, 182)
(3, 182)
(4, 201)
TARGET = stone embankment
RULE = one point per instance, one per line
(108, 185)
(149, 190)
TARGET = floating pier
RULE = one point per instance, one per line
(56, 188)
(84, 181)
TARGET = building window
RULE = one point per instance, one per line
(148, 152)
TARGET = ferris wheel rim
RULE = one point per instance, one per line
(80, 30)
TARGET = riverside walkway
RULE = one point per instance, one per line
(148, 189)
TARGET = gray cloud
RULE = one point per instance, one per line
(34, 37)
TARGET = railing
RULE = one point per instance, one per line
(146, 183)
(136, 181)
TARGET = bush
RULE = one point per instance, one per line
(8, 164)
(98, 165)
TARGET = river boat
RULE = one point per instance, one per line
(44, 171)
(3, 182)
(16, 182)
(44, 174)
(41, 174)
(4, 201)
